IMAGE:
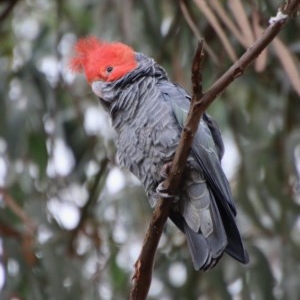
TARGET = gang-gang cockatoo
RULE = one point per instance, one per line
(148, 112)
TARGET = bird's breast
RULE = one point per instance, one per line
(148, 141)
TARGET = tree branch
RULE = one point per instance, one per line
(145, 262)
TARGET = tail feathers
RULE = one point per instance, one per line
(201, 252)
(235, 248)
(241, 256)
(207, 250)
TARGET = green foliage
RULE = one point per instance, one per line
(71, 224)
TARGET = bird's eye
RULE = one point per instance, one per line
(109, 69)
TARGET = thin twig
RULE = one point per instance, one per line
(213, 21)
(7, 231)
(145, 262)
(26, 236)
(12, 204)
(86, 209)
(192, 25)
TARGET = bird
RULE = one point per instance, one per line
(148, 112)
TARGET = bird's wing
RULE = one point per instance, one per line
(207, 149)
(183, 101)
(216, 134)
(204, 147)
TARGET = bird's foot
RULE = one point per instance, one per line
(162, 192)
(165, 170)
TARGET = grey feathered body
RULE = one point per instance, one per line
(148, 112)
(149, 139)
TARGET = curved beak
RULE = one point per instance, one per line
(97, 88)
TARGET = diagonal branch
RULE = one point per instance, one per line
(8, 9)
(144, 264)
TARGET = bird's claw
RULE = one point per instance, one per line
(162, 192)
(165, 170)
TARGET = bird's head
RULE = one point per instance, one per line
(102, 62)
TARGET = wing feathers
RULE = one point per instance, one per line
(208, 219)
